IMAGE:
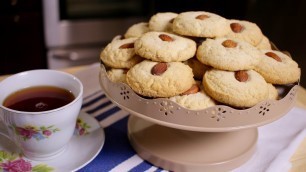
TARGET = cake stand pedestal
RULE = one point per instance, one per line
(180, 150)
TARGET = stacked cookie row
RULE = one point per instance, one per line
(198, 59)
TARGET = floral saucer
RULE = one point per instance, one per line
(86, 143)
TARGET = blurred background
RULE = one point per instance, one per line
(63, 33)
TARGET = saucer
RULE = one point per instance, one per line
(84, 146)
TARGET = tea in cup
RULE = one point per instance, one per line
(39, 109)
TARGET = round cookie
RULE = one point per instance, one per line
(162, 22)
(278, 68)
(197, 67)
(165, 47)
(273, 93)
(200, 24)
(264, 44)
(228, 54)
(120, 53)
(245, 31)
(238, 89)
(154, 79)
(117, 75)
(137, 30)
(194, 99)
(117, 37)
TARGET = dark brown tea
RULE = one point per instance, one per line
(38, 98)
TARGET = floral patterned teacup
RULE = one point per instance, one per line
(40, 135)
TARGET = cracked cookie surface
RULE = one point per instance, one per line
(278, 68)
(194, 100)
(228, 54)
(200, 24)
(165, 47)
(162, 22)
(245, 31)
(136, 30)
(224, 87)
(120, 53)
(154, 79)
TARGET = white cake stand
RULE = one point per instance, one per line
(218, 138)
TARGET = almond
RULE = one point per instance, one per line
(229, 44)
(159, 68)
(236, 27)
(165, 37)
(127, 45)
(241, 76)
(202, 17)
(192, 90)
(274, 56)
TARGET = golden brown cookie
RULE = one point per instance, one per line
(137, 30)
(162, 22)
(165, 47)
(197, 67)
(264, 44)
(273, 93)
(228, 54)
(120, 53)
(154, 79)
(238, 89)
(278, 68)
(117, 75)
(195, 98)
(245, 31)
(200, 24)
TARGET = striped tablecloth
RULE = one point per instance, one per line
(118, 155)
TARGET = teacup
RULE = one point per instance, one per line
(40, 135)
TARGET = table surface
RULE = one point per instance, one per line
(299, 157)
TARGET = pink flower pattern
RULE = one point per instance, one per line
(10, 162)
(81, 127)
(38, 133)
(19, 165)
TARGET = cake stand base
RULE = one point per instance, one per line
(180, 150)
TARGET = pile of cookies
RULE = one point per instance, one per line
(199, 59)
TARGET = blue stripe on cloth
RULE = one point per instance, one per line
(103, 105)
(159, 170)
(107, 113)
(141, 167)
(93, 100)
(116, 149)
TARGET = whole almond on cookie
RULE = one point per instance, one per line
(165, 37)
(228, 54)
(278, 68)
(229, 43)
(223, 87)
(192, 90)
(241, 76)
(165, 47)
(236, 27)
(202, 17)
(274, 56)
(153, 79)
(127, 45)
(159, 68)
